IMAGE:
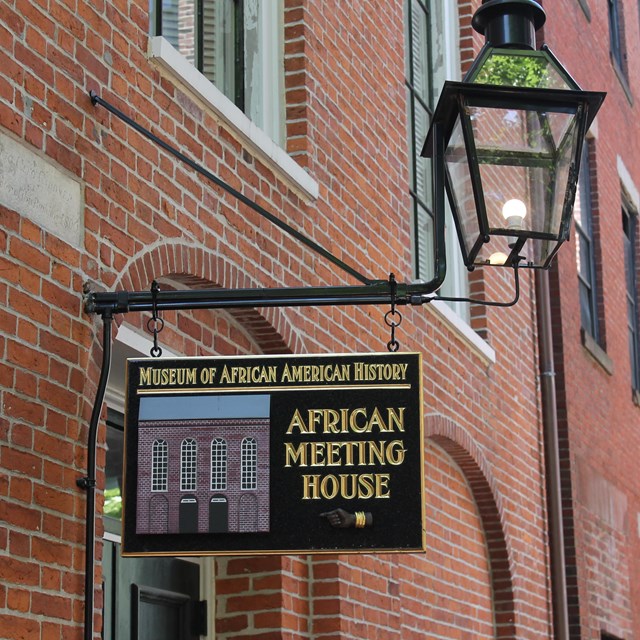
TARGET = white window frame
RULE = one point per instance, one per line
(445, 36)
(219, 464)
(249, 464)
(159, 466)
(189, 465)
(262, 129)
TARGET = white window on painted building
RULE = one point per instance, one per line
(432, 36)
(238, 45)
(188, 464)
(249, 462)
(218, 464)
(159, 465)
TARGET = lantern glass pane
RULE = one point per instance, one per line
(523, 69)
(524, 156)
(460, 188)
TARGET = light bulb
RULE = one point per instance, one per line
(498, 258)
(514, 212)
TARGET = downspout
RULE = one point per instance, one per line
(552, 460)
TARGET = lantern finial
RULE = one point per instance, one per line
(509, 23)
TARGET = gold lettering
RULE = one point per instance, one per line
(178, 376)
(310, 487)
(354, 426)
(297, 422)
(377, 421)
(349, 486)
(365, 486)
(329, 492)
(376, 453)
(145, 376)
(395, 418)
(333, 454)
(359, 453)
(382, 485)
(331, 420)
(317, 454)
(293, 455)
(395, 452)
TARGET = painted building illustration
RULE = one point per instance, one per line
(203, 465)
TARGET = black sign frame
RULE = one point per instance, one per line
(297, 454)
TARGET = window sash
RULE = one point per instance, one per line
(249, 464)
(585, 250)
(238, 46)
(629, 223)
(218, 464)
(159, 465)
(188, 464)
(615, 35)
(419, 87)
(430, 33)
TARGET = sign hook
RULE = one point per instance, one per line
(393, 318)
(155, 324)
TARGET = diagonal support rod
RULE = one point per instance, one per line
(97, 100)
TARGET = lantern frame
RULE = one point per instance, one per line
(454, 107)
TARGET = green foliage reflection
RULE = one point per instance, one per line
(113, 503)
(515, 71)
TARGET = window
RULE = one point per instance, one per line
(419, 83)
(188, 465)
(585, 249)
(249, 464)
(159, 465)
(629, 226)
(236, 44)
(432, 35)
(218, 464)
(616, 38)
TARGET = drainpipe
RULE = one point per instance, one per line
(552, 460)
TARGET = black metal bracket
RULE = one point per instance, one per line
(370, 292)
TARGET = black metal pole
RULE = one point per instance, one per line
(89, 481)
(189, 299)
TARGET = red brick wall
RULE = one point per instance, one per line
(598, 419)
(146, 216)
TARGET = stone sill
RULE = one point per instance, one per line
(179, 70)
(596, 351)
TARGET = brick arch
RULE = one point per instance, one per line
(465, 453)
(197, 268)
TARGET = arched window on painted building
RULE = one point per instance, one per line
(218, 464)
(249, 464)
(188, 464)
(159, 465)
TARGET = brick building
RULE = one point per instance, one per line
(594, 315)
(203, 474)
(315, 111)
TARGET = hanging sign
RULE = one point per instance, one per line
(274, 454)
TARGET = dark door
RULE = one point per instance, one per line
(218, 514)
(151, 598)
(188, 515)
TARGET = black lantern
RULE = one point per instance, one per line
(509, 138)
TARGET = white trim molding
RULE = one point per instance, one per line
(178, 69)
